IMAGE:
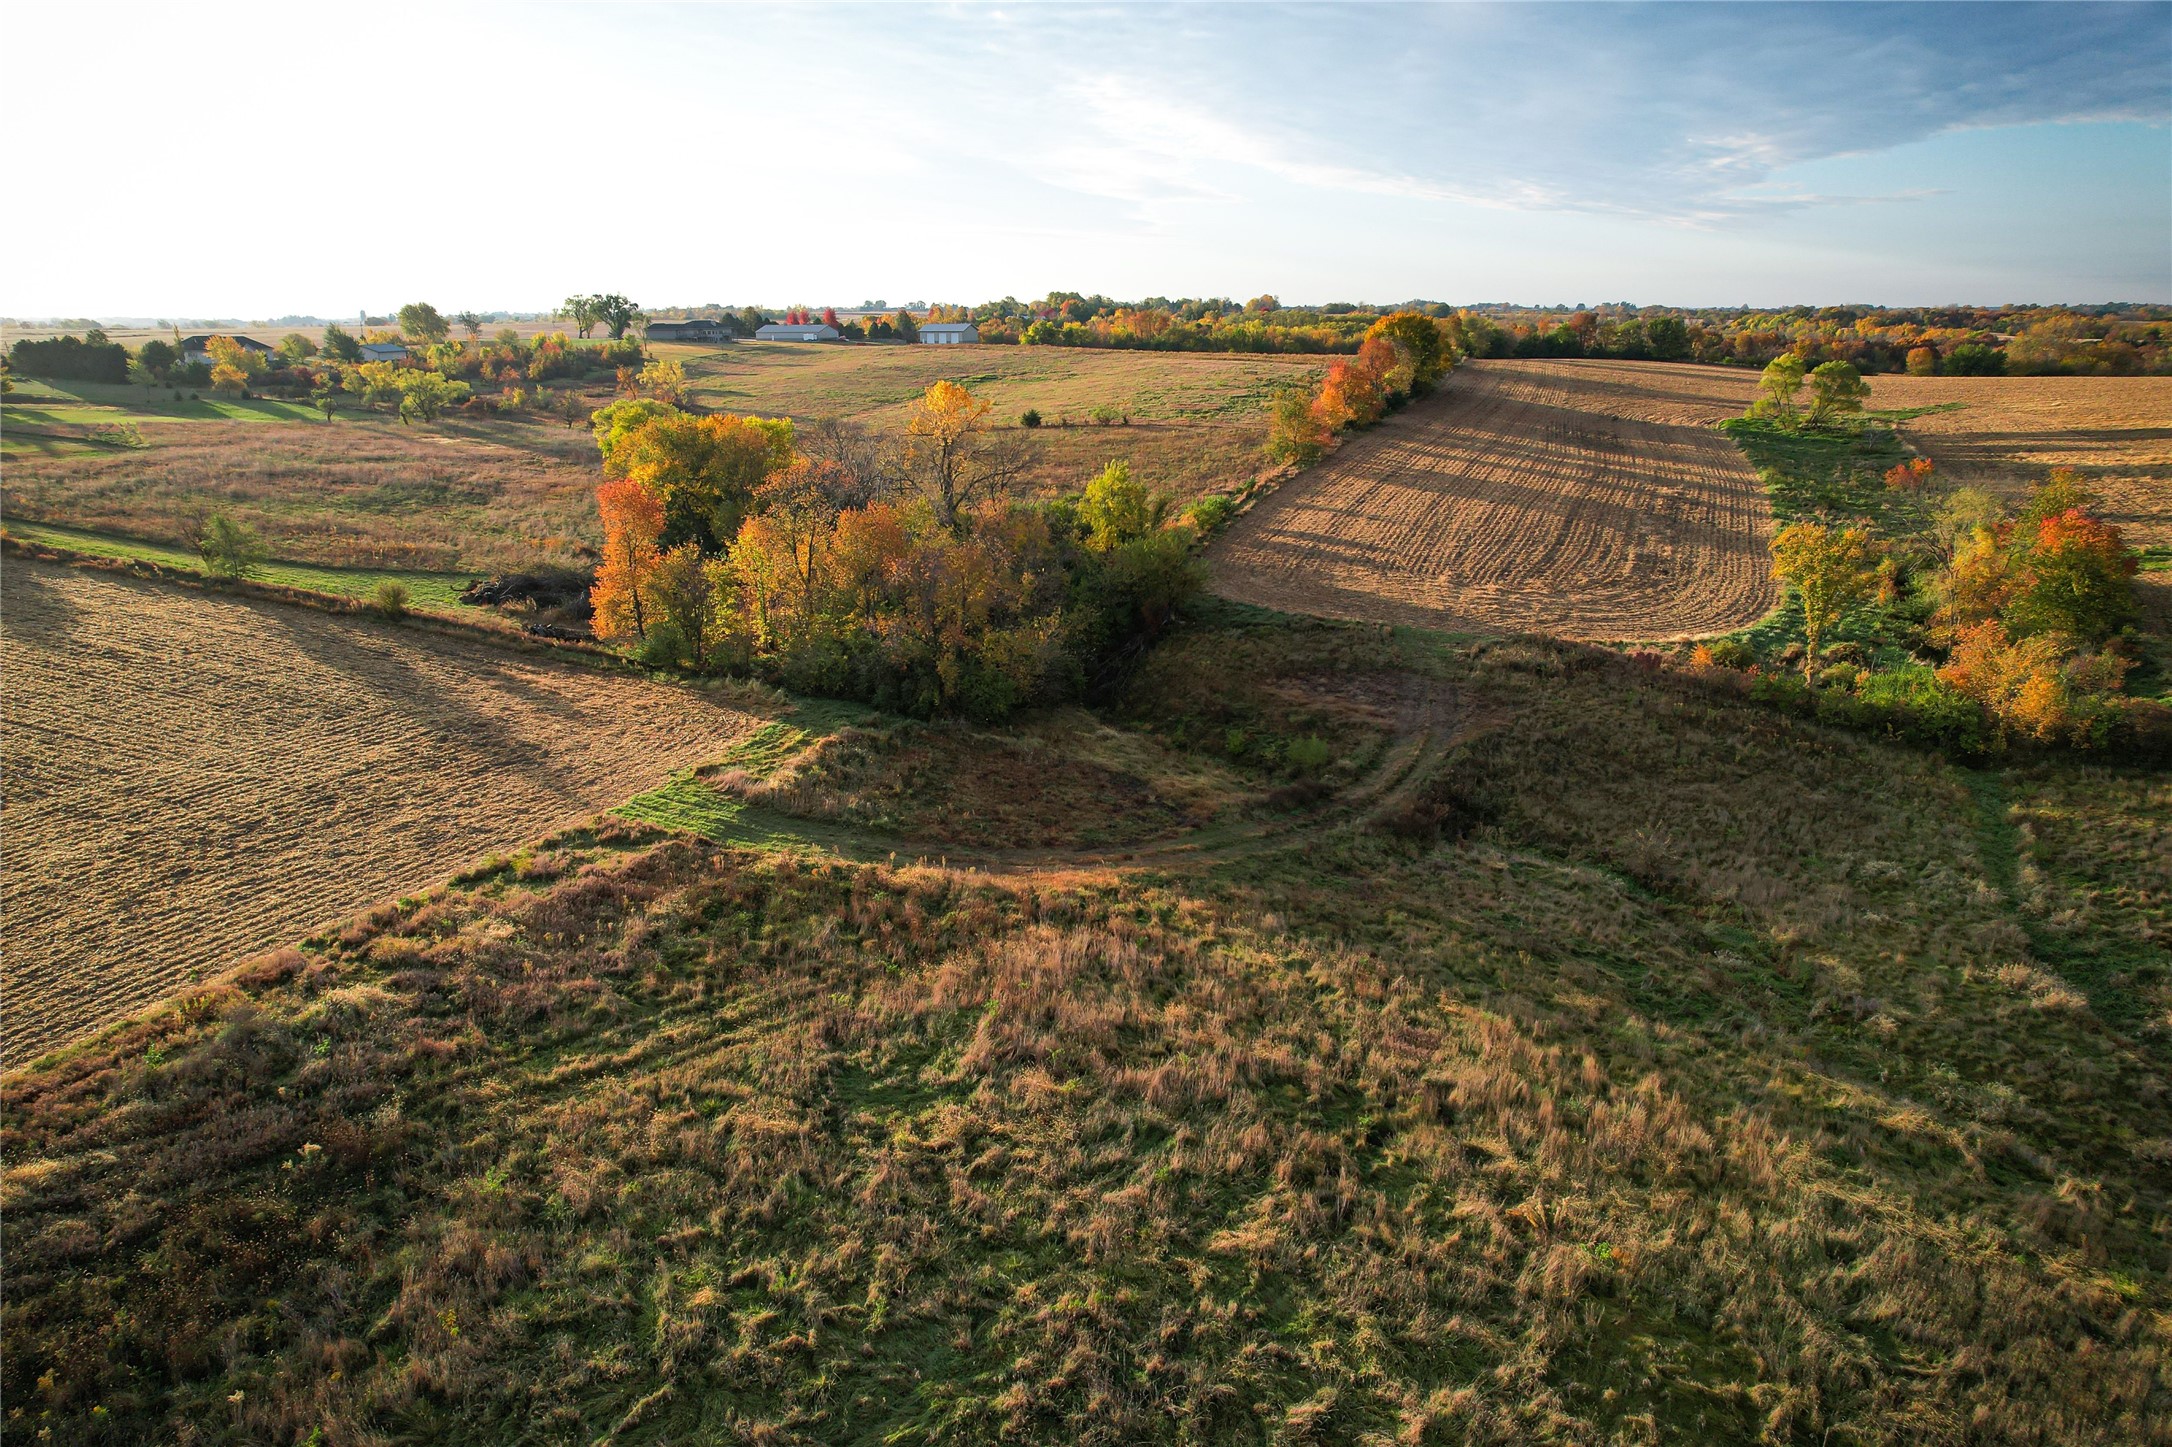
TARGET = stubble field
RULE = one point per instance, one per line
(1585, 502)
(1591, 499)
(193, 779)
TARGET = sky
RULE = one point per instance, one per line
(222, 160)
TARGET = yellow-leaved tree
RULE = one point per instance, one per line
(1830, 568)
(950, 458)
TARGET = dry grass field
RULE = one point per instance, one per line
(1197, 421)
(1581, 501)
(478, 496)
(1718, 1078)
(194, 778)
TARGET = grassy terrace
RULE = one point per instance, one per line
(1717, 1078)
(429, 592)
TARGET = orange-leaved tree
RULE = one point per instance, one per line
(2076, 577)
(633, 521)
(2041, 688)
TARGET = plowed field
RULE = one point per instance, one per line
(1584, 500)
(192, 779)
(2007, 432)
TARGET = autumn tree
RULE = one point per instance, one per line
(1837, 390)
(633, 521)
(614, 423)
(1830, 568)
(706, 470)
(1421, 342)
(373, 382)
(948, 456)
(1776, 389)
(2040, 687)
(421, 322)
(294, 349)
(472, 324)
(233, 366)
(2076, 578)
(663, 381)
(683, 598)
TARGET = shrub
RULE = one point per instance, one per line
(1309, 754)
(390, 598)
(1210, 514)
(1031, 418)
(1104, 416)
(229, 549)
(1914, 703)
(1840, 675)
(1725, 653)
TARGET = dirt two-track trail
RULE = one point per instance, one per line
(194, 778)
(1596, 505)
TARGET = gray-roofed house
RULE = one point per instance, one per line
(796, 332)
(198, 348)
(694, 329)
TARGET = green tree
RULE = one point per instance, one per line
(420, 322)
(581, 311)
(1836, 390)
(1117, 508)
(1668, 338)
(341, 346)
(615, 313)
(1830, 569)
(472, 324)
(326, 393)
(425, 395)
(1776, 390)
(142, 376)
(159, 357)
(295, 348)
(229, 549)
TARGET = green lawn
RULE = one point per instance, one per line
(98, 401)
(431, 592)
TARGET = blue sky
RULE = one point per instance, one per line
(502, 156)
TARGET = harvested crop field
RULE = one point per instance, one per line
(1584, 500)
(2006, 432)
(194, 778)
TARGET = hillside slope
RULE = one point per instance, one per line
(1658, 1070)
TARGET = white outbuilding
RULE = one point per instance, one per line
(948, 334)
(795, 332)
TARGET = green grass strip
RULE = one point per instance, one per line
(428, 592)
